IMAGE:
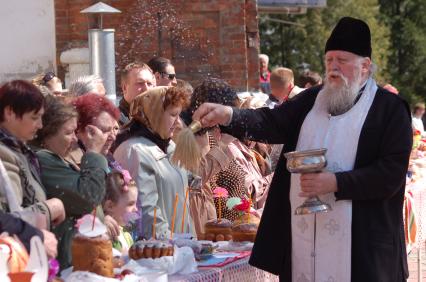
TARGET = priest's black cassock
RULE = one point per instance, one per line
(376, 186)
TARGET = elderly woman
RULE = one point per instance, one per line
(144, 149)
(21, 109)
(87, 84)
(100, 112)
(80, 187)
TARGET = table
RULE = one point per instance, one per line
(418, 192)
(237, 271)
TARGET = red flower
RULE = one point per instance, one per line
(244, 206)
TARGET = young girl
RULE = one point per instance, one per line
(120, 204)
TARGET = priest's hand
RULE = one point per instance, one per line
(315, 184)
(210, 114)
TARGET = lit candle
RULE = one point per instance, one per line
(184, 210)
(174, 215)
(248, 215)
(220, 208)
(94, 217)
(155, 221)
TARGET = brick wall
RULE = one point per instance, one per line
(202, 37)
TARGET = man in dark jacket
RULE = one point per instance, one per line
(367, 132)
(13, 225)
(16, 226)
(136, 78)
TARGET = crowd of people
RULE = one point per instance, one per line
(69, 152)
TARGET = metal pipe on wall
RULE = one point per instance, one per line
(102, 58)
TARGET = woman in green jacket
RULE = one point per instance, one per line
(81, 188)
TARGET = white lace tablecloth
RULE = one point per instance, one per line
(418, 190)
(238, 270)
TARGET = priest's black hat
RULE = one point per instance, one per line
(351, 35)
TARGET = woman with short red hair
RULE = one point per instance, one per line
(100, 112)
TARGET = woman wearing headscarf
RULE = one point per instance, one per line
(228, 174)
(256, 163)
(144, 148)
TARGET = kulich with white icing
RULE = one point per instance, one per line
(91, 248)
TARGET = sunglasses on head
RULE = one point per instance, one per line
(170, 76)
(48, 77)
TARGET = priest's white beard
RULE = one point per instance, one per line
(341, 97)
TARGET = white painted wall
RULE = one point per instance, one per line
(27, 38)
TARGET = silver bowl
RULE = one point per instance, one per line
(306, 161)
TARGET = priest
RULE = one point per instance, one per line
(367, 133)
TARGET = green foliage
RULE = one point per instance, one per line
(294, 46)
(398, 40)
(407, 61)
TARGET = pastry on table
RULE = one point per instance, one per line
(93, 255)
(218, 230)
(245, 228)
(150, 249)
(91, 248)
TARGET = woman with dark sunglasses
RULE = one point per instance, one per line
(50, 81)
(164, 71)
